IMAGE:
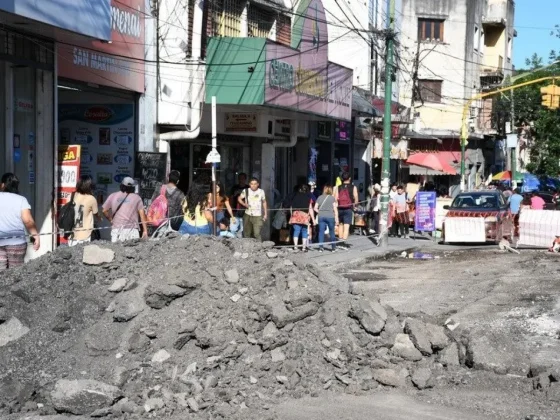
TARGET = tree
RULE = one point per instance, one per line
(545, 123)
(535, 62)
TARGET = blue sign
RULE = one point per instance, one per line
(85, 17)
(17, 155)
(425, 218)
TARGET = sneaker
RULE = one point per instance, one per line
(333, 250)
(320, 249)
(406, 237)
(305, 250)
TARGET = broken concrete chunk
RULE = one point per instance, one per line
(161, 356)
(282, 317)
(404, 347)
(158, 296)
(232, 276)
(422, 378)
(418, 332)
(153, 404)
(389, 377)
(11, 331)
(271, 254)
(118, 285)
(82, 397)
(277, 355)
(95, 255)
(370, 317)
(235, 297)
(270, 331)
(450, 355)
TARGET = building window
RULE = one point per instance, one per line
(324, 129)
(225, 16)
(260, 22)
(476, 39)
(430, 30)
(509, 49)
(430, 90)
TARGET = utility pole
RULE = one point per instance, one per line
(386, 166)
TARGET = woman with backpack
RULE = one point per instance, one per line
(15, 218)
(167, 203)
(85, 210)
(197, 218)
(346, 195)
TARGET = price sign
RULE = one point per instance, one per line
(68, 176)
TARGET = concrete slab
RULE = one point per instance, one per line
(382, 406)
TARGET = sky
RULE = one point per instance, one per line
(534, 20)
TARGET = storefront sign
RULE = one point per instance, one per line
(24, 105)
(399, 149)
(241, 122)
(106, 134)
(342, 131)
(307, 81)
(425, 219)
(85, 17)
(118, 64)
(69, 158)
(282, 127)
(150, 171)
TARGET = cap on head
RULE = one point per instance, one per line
(128, 182)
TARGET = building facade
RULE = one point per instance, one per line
(80, 80)
(451, 51)
(268, 68)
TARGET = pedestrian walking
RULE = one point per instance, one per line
(346, 196)
(327, 212)
(198, 217)
(254, 201)
(374, 210)
(85, 211)
(122, 209)
(514, 208)
(301, 215)
(15, 218)
(401, 219)
(236, 191)
(537, 203)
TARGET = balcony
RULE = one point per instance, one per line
(497, 13)
(491, 76)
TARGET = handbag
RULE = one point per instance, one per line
(299, 218)
(279, 220)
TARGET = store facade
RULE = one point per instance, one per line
(28, 102)
(102, 101)
(283, 92)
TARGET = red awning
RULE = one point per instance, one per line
(449, 160)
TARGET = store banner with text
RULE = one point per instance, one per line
(118, 64)
(106, 135)
(69, 157)
(425, 214)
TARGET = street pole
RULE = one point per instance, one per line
(214, 149)
(386, 165)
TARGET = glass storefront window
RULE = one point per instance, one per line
(3, 145)
(24, 131)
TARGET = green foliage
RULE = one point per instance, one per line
(528, 110)
(535, 62)
(545, 148)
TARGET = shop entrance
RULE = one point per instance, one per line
(190, 160)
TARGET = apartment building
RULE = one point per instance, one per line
(450, 51)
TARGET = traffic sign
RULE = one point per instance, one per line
(213, 157)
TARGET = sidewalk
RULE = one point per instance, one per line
(363, 249)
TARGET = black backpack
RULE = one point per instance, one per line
(67, 217)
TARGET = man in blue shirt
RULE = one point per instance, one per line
(514, 206)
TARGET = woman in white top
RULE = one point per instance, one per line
(15, 218)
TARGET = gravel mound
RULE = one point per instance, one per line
(200, 328)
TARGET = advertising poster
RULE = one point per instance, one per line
(69, 157)
(106, 136)
(425, 219)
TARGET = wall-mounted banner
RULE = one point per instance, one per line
(106, 134)
(85, 17)
(399, 149)
(245, 122)
(118, 64)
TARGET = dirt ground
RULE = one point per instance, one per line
(511, 302)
